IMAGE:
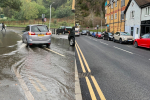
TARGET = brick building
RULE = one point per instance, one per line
(114, 15)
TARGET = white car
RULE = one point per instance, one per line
(77, 32)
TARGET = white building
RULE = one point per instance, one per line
(135, 17)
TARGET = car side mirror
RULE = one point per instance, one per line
(140, 37)
(23, 31)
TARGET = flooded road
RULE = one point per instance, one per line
(35, 73)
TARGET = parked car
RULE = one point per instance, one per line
(99, 35)
(88, 32)
(63, 29)
(91, 33)
(143, 41)
(108, 36)
(83, 32)
(71, 37)
(123, 37)
(94, 34)
(37, 34)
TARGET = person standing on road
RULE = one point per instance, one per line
(3, 26)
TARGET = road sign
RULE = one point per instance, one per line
(44, 19)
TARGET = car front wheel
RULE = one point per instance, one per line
(135, 44)
(114, 39)
(72, 42)
(120, 41)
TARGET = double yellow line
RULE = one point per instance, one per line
(92, 77)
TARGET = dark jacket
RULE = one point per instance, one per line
(3, 25)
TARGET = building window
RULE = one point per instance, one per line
(137, 31)
(147, 11)
(116, 4)
(122, 3)
(112, 5)
(132, 14)
(115, 15)
(122, 15)
(112, 17)
(132, 29)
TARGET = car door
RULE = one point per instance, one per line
(142, 40)
(27, 29)
(117, 36)
(148, 41)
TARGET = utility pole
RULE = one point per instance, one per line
(50, 15)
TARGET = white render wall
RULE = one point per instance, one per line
(133, 22)
(144, 16)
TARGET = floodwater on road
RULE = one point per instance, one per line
(46, 74)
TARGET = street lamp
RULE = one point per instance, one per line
(50, 15)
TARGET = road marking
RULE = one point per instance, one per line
(86, 64)
(34, 84)
(94, 40)
(55, 52)
(123, 50)
(28, 94)
(98, 88)
(40, 84)
(90, 89)
(103, 43)
(82, 66)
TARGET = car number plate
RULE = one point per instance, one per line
(40, 34)
(129, 40)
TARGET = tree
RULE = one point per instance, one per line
(13, 4)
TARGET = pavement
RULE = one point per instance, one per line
(121, 71)
(36, 73)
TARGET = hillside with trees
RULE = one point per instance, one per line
(33, 9)
(90, 12)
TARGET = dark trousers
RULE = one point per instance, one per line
(3, 28)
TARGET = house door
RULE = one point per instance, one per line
(147, 29)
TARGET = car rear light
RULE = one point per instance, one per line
(69, 32)
(31, 33)
(65, 29)
(48, 33)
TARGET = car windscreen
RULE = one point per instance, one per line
(76, 31)
(110, 33)
(39, 29)
(99, 33)
(125, 33)
(83, 30)
(91, 32)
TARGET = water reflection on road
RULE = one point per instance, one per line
(47, 75)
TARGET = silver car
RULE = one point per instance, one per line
(37, 34)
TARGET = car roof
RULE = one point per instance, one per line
(37, 25)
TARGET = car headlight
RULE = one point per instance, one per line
(123, 38)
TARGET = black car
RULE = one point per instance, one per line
(63, 29)
(84, 32)
(108, 36)
(71, 37)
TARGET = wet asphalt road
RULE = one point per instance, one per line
(35, 73)
(121, 71)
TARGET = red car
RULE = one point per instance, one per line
(143, 41)
(99, 35)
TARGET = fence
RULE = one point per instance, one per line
(38, 21)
